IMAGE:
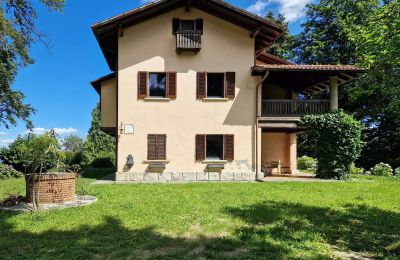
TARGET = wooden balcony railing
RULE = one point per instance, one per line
(188, 41)
(289, 107)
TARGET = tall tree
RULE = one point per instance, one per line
(366, 33)
(283, 47)
(17, 34)
(323, 40)
(98, 144)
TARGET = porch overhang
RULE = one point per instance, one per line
(307, 79)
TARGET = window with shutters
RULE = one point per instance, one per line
(156, 147)
(214, 147)
(157, 84)
(216, 85)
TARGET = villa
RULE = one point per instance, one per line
(194, 95)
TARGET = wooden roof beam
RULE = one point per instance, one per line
(254, 33)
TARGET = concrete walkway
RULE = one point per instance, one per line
(300, 177)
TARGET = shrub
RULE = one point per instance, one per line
(354, 170)
(8, 172)
(397, 171)
(104, 160)
(338, 142)
(382, 169)
(307, 163)
(71, 158)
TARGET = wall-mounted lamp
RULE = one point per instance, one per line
(129, 161)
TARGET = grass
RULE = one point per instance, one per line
(289, 220)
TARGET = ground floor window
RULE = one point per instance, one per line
(214, 147)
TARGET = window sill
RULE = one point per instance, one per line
(155, 161)
(157, 99)
(216, 99)
(215, 161)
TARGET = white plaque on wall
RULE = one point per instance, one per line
(129, 129)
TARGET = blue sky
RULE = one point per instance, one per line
(57, 85)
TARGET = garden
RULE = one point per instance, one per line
(356, 213)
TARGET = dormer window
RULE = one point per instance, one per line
(194, 25)
(188, 34)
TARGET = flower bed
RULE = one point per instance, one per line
(51, 188)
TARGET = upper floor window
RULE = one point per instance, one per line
(179, 25)
(157, 84)
(216, 85)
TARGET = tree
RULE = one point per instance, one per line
(323, 39)
(98, 145)
(376, 99)
(73, 143)
(365, 33)
(283, 46)
(17, 34)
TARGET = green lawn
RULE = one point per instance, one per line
(213, 220)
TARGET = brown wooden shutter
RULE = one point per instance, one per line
(201, 85)
(229, 149)
(161, 147)
(199, 25)
(230, 84)
(176, 24)
(151, 147)
(171, 77)
(142, 84)
(200, 147)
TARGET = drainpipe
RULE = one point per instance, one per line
(258, 177)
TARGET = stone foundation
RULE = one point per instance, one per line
(185, 176)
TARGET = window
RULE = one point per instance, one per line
(215, 85)
(214, 147)
(187, 25)
(156, 147)
(157, 84)
(179, 25)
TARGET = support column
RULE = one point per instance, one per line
(293, 152)
(333, 93)
(260, 174)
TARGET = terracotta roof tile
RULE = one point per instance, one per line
(296, 67)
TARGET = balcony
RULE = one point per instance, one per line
(293, 108)
(188, 41)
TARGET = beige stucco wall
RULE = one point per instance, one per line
(108, 103)
(150, 46)
(275, 147)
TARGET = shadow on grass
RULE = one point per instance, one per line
(273, 230)
(358, 228)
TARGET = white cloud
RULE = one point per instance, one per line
(60, 131)
(2, 133)
(292, 9)
(258, 7)
(5, 142)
